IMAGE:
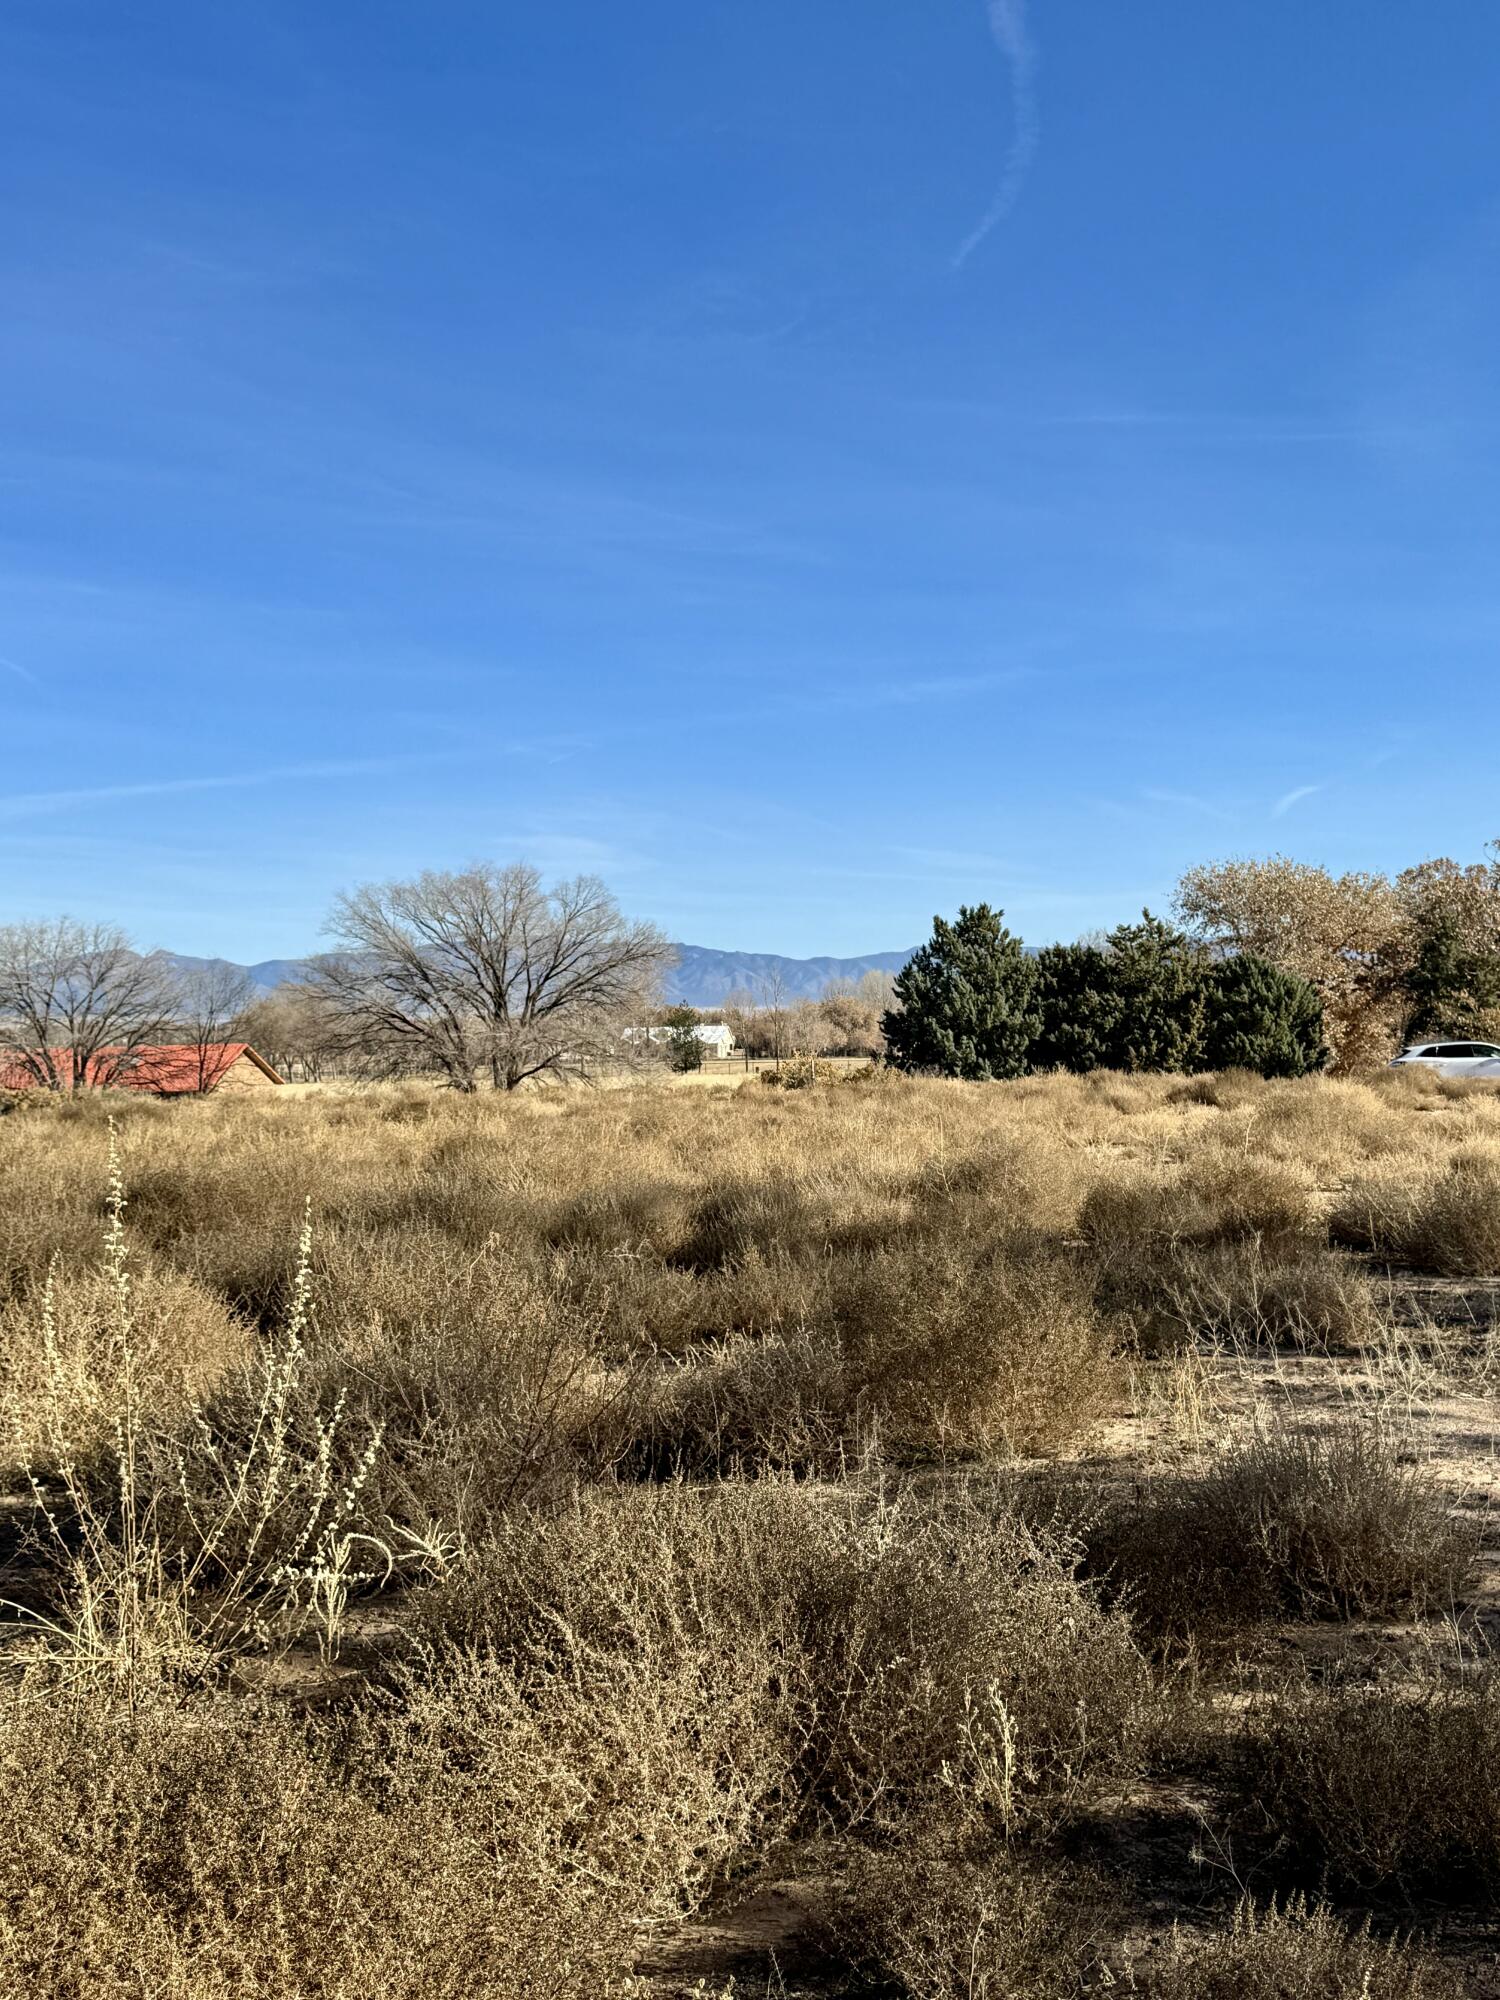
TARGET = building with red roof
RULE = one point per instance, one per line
(176, 1069)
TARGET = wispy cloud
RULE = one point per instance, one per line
(28, 805)
(916, 692)
(1188, 801)
(21, 673)
(1008, 27)
(1288, 799)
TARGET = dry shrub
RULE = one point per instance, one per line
(953, 1918)
(1381, 1790)
(645, 1769)
(961, 1920)
(779, 1402)
(205, 1852)
(1211, 1200)
(802, 1073)
(639, 1218)
(1298, 1295)
(953, 1347)
(1224, 1090)
(656, 1309)
(1167, 1243)
(1295, 1951)
(1448, 1223)
(1288, 1524)
(1123, 1095)
(1017, 1186)
(782, 1218)
(60, 1388)
(901, 1650)
(933, 1347)
(484, 1379)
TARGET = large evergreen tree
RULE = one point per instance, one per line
(1261, 1018)
(1454, 986)
(1160, 977)
(1080, 1007)
(965, 1002)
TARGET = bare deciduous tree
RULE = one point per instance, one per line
(210, 1007)
(78, 1003)
(290, 1027)
(771, 1004)
(852, 1012)
(484, 970)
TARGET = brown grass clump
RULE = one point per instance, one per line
(951, 1918)
(1448, 1222)
(1199, 1248)
(1288, 1524)
(1383, 1790)
(953, 1347)
(1220, 1200)
(1299, 1295)
(933, 1348)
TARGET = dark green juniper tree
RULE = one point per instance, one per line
(965, 1002)
(684, 1050)
(1160, 978)
(1134, 1002)
(1080, 1008)
(1261, 1018)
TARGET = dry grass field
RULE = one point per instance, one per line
(965, 1542)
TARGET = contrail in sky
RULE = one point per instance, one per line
(1008, 27)
(26, 805)
(1288, 799)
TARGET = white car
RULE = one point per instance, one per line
(1453, 1058)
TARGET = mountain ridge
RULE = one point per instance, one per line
(702, 977)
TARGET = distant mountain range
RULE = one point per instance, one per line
(702, 977)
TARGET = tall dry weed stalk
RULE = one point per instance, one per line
(181, 1548)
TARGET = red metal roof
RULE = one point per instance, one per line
(172, 1070)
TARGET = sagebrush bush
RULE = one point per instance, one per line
(1289, 1523)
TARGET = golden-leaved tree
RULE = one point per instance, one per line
(1352, 937)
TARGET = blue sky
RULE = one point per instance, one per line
(809, 463)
